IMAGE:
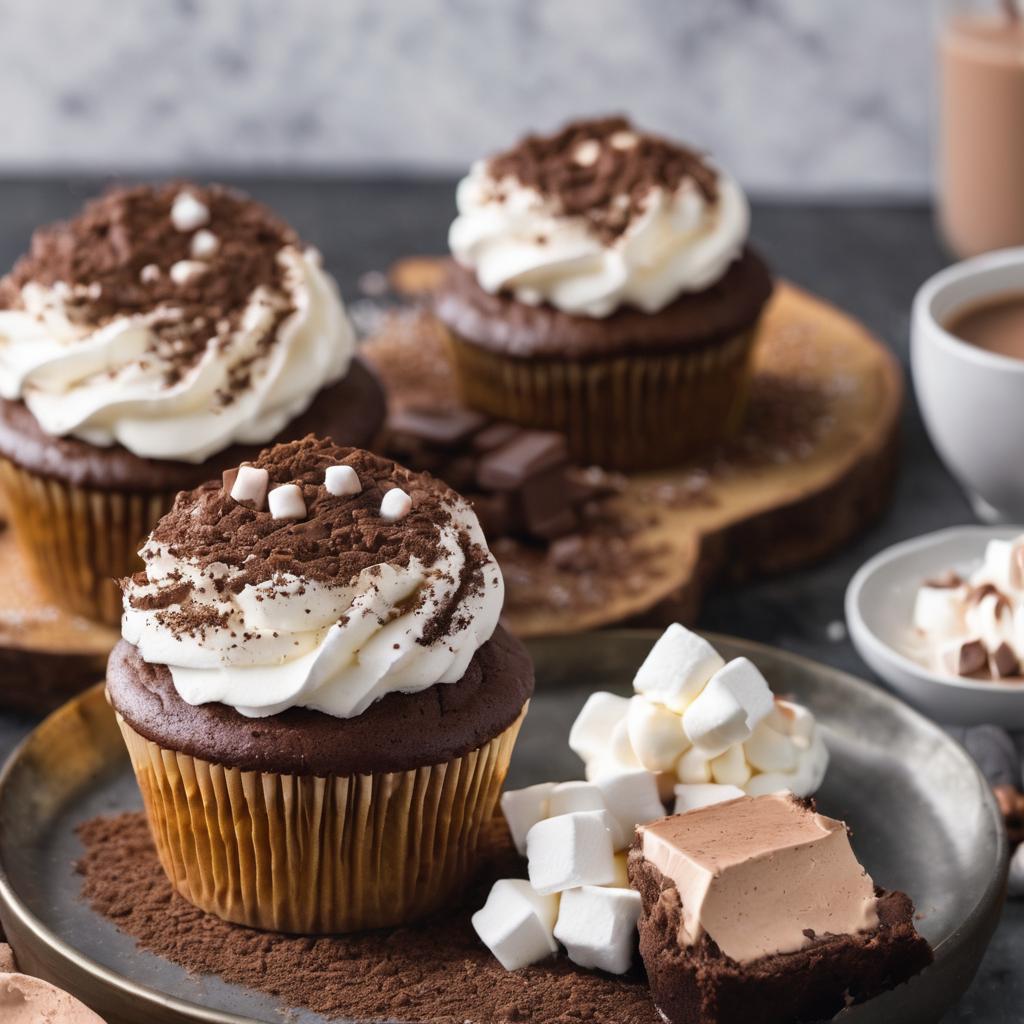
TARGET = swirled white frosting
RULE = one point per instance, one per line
(516, 240)
(331, 648)
(110, 384)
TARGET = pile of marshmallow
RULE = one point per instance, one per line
(975, 626)
(698, 730)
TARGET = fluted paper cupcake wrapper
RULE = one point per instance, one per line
(311, 855)
(79, 540)
(630, 412)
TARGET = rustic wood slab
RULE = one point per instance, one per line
(812, 466)
(46, 655)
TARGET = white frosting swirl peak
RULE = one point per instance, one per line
(519, 241)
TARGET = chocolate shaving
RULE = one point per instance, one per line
(602, 170)
(100, 255)
(339, 538)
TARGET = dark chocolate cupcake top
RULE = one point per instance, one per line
(317, 576)
(597, 216)
(174, 320)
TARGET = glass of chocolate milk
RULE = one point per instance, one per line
(981, 125)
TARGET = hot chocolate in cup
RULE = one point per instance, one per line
(968, 368)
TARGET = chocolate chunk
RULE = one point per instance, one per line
(495, 435)
(494, 514)
(1004, 662)
(227, 479)
(528, 454)
(544, 506)
(971, 658)
(446, 427)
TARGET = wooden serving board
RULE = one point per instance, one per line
(812, 466)
(46, 654)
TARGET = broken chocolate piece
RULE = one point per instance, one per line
(1004, 661)
(972, 657)
(525, 456)
(446, 427)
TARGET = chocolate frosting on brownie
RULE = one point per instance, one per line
(587, 166)
(350, 411)
(499, 323)
(397, 733)
(695, 983)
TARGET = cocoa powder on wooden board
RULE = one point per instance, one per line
(437, 972)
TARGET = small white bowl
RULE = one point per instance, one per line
(879, 616)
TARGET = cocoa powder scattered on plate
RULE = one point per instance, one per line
(437, 972)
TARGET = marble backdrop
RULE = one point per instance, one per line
(819, 96)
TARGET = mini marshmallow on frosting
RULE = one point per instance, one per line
(115, 379)
(665, 241)
(974, 626)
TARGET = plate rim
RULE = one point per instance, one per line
(990, 898)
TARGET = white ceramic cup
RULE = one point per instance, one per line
(972, 400)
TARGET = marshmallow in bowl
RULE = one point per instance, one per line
(974, 626)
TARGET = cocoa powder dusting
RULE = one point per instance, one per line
(114, 260)
(602, 170)
(339, 537)
(437, 972)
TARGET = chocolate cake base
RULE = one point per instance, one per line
(700, 985)
(436, 972)
(400, 732)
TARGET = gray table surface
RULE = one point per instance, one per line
(868, 259)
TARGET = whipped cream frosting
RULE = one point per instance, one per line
(286, 639)
(973, 625)
(121, 378)
(761, 875)
(674, 240)
(109, 384)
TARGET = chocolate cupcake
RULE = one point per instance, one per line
(603, 288)
(317, 698)
(164, 334)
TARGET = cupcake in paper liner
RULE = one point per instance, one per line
(317, 698)
(602, 287)
(164, 334)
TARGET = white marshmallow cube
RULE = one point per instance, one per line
(203, 245)
(598, 927)
(677, 668)
(188, 213)
(716, 719)
(770, 751)
(342, 481)
(184, 270)
(251, 485)
(794, 720)
(804, 781)
(516, 923)
(571, 850)
(744, 680)
(569, 797)
(523, 808)
(395, 505)
(632, 799)
(620, 750)
(694, 766)
(1003, 565)
(655, 734)
(704, 794)
(286, 502)
(731, 768)
(939, 611)
(591, 732)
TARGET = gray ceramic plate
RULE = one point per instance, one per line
(923, 820)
